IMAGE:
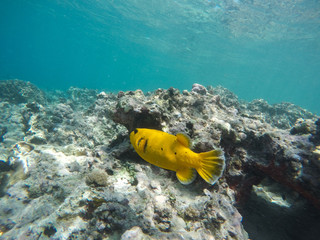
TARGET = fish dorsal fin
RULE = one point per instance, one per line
(184, 140)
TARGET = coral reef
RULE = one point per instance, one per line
(68, 171)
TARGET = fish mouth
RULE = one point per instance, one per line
(132, 137)
(135, 131)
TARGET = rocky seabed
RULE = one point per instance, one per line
(68, 171)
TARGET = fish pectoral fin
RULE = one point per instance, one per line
(186, 175)
(184, 140)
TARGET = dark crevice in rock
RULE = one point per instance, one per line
(49, 231)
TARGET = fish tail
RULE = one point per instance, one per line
(212, 165)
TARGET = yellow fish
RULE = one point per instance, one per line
(173, 152)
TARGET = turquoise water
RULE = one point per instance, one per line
(257, 49)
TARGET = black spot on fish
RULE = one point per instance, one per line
(175, 153)
(161, 149)
(145, 146)
(139, 141)
(135, 131)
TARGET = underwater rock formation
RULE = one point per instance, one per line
(248, 139)
(67, 169)
(17, 91)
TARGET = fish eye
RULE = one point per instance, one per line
(135, 131)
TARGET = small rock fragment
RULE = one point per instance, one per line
(97, 177)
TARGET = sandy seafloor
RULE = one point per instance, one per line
(68, 171)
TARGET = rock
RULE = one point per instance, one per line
(17, 91)
(282, 115)
(302, 126)
(97, 178)
(67, 169)
(132, 113)
(80, 98)
(280, 205)
(315, 137)
(226, 97)
(62, 112)
(199, 89)
(4, 166)
(134, 233)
